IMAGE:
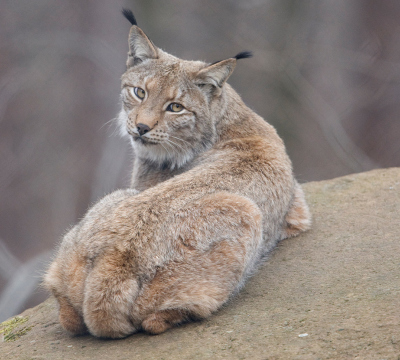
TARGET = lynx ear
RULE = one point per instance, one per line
(217, 73)
(140, 46)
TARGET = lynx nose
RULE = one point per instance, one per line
(142, 128)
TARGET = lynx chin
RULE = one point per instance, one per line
(212, 192)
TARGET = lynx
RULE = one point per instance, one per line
(212, 193)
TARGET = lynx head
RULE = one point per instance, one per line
(170, 107)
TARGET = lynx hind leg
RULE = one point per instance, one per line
(298, 218)
(194, 290)
(201, 283)
(110, 291)
(66, 285)
(70, 319)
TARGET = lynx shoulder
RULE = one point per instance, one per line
(214, 192)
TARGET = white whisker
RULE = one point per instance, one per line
(166, 149)
(167, 142)
(180, 139)
(107, 123)
(179, 146)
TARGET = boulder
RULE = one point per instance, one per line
(331, 293)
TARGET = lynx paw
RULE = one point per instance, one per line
(155, 324)
(298, 218)
(161, 321)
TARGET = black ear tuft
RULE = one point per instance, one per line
(244, 55)
(129, 15)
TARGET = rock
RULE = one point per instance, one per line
(331, 293)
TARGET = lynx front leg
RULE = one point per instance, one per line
(110, 292)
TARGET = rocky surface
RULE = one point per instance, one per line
(331, 293)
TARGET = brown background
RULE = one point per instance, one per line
(325, 74)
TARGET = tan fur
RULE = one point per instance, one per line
(212, 193)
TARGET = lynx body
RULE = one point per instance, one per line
(212, 193)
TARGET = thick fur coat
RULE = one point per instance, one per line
(212, 192)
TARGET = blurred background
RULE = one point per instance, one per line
(326, 74)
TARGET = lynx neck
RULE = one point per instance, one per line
(236, 120)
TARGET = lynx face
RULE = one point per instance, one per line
(165, 113)
(167, 102)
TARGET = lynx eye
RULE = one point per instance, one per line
(175, 107)
(139, 92)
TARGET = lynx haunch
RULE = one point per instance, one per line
(212, 192)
